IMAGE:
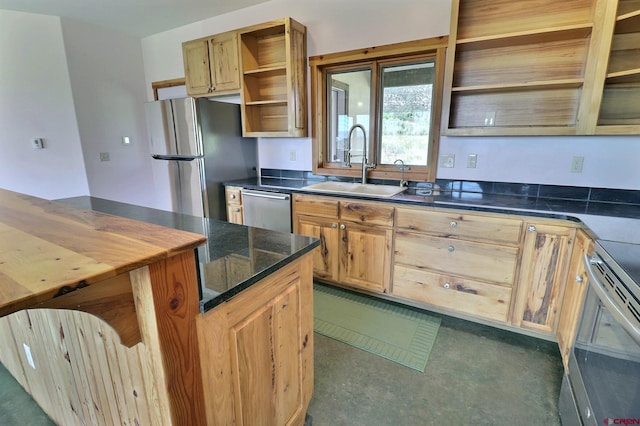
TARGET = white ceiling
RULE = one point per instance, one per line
(138, 18)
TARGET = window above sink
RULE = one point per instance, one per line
(394, 93)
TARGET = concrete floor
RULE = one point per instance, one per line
(476, 375)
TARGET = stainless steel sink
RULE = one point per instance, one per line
(351, 188)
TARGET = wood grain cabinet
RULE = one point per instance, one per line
(543, 67)
(545, 261)
(273, 67)
(257, 351)
(458, 261)
(356, 238)
(574, 293)
(211, 65)
(235, 212)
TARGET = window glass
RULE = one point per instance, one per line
(407, 99)
(349, 103)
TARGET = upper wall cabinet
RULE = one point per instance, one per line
(273, 68)
(539, 67)
(211, 65)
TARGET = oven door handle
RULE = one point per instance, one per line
(608, 302)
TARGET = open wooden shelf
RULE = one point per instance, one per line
(543, 67)
(273, 66)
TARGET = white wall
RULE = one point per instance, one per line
(36, 101)
(109, 90)
(338, 25)
(332, 26)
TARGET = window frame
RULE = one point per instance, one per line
(431, 48)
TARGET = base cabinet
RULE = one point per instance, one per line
(543, 271)
(457, 261)
(235, 212)
(257, 351)
(355, 239)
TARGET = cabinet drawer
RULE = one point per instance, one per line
(461, 225)
(487, 262)
(369, 213)
(454, 293)
(233, 195)
(315, 206)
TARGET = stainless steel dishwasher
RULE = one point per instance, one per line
(266, 209)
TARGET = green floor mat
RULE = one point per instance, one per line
(392, 331)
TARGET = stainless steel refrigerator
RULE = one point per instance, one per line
(196, 144)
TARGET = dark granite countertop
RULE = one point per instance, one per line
(475, 199)
(254, 252)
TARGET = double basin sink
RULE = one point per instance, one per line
(354, 188)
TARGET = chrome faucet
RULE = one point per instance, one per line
(402, 167)
(365, 164)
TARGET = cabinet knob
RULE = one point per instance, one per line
(213, 88)
(342, 226)
(237, 209)
(579, 278)
(453, 224)
(531, 228)
(233, 196)
(451, 249)
(334, 225)
(447, 285)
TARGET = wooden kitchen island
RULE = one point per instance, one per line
(109, 320)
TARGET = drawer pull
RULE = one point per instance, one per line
(531, 228)
(451, 249)
(453, 224)
(447, 285)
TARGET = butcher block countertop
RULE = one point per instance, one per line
(49, 248)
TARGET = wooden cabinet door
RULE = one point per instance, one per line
(197, 74)
(325, 257)
(365, 256)
(543, 272)
(573, 296)
(235, 214)
(225, 72)
(257, 351)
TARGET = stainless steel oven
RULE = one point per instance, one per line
(602, 383)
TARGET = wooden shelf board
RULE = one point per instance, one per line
(529, 85)
(525, 37)
(511, 131)
(618, 129)
(273, 68)
(628, 9)
(625, 73)
(267, 102)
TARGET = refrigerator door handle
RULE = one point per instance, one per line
(173, 157)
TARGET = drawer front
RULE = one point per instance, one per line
(461, 225)
(381, 214)
(315, 206)
(487, 262)
(457, 294)
(233, 195)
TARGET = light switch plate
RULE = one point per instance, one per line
(447, 160)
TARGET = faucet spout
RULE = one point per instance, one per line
(365, 164)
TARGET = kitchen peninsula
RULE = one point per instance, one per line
(111, 320)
